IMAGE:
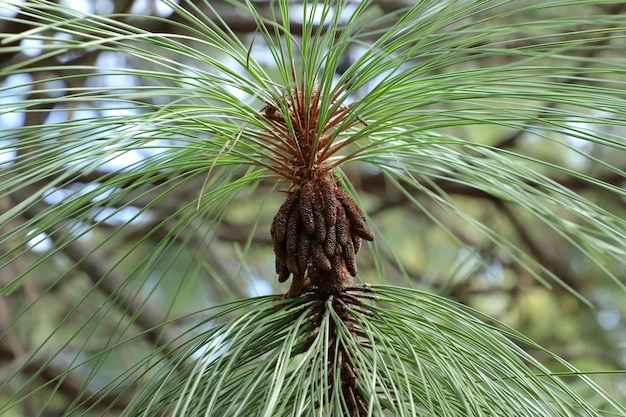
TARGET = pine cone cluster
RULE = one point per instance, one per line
(317, 232)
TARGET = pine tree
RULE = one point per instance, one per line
(409, 94)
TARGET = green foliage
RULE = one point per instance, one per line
(431, 357)
(436, 84)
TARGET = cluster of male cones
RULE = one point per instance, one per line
(318, 230)
(317, 233)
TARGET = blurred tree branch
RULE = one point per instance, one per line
(145, 314)
(71, 382)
